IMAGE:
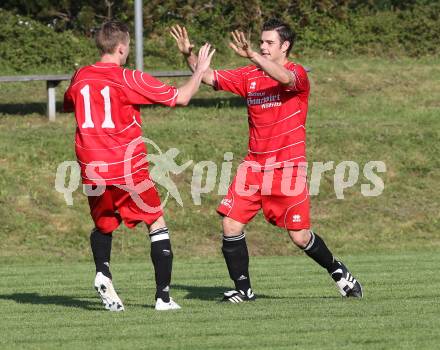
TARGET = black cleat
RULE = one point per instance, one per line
(238, 296)
(347, 285)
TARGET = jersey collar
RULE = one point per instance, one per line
(104, 64)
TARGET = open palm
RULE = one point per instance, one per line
(204, 57)
(181, 36)
(241, 45)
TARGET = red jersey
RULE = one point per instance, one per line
(105, 98)
(276, 113)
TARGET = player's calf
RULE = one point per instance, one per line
(162, 258)
(236, 256)
(101, 245)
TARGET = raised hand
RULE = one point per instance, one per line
(181, 36)
(241, 45)
(204, 58)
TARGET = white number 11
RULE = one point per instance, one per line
(88, 122)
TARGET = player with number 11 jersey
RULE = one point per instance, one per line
(112, 155)
(108, 142)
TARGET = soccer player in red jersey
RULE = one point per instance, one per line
(112, 155)
(276, 92)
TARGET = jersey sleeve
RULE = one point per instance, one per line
(233, 80)
(300, 80)
(142, 88)
(68, 105)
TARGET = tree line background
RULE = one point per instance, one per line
(56, 35)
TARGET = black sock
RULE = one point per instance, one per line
(318, 251)
(101, 244)
(236, 256)
(162, 258)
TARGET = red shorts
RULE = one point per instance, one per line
(281, 193)
(133, 206)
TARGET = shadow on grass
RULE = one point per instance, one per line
(26, 108)
(64, 300)
(212, 293)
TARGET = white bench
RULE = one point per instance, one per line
(53, 80)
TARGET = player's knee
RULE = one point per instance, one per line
(158, 224)
(300, 238)
(232, 227)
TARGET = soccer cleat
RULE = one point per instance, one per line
(107, 293)
(164, 306)
(348, 285)
(238, 296)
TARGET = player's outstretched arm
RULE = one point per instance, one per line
(186, 48)
(242, 47)
(187, 91)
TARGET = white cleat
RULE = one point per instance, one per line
(163, 306)
(107, 293)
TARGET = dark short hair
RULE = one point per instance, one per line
(283, 29)
(110, 35)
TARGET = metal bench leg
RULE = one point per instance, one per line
(51, 100)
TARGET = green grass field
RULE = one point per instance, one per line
(361, 109)
(54, 306)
